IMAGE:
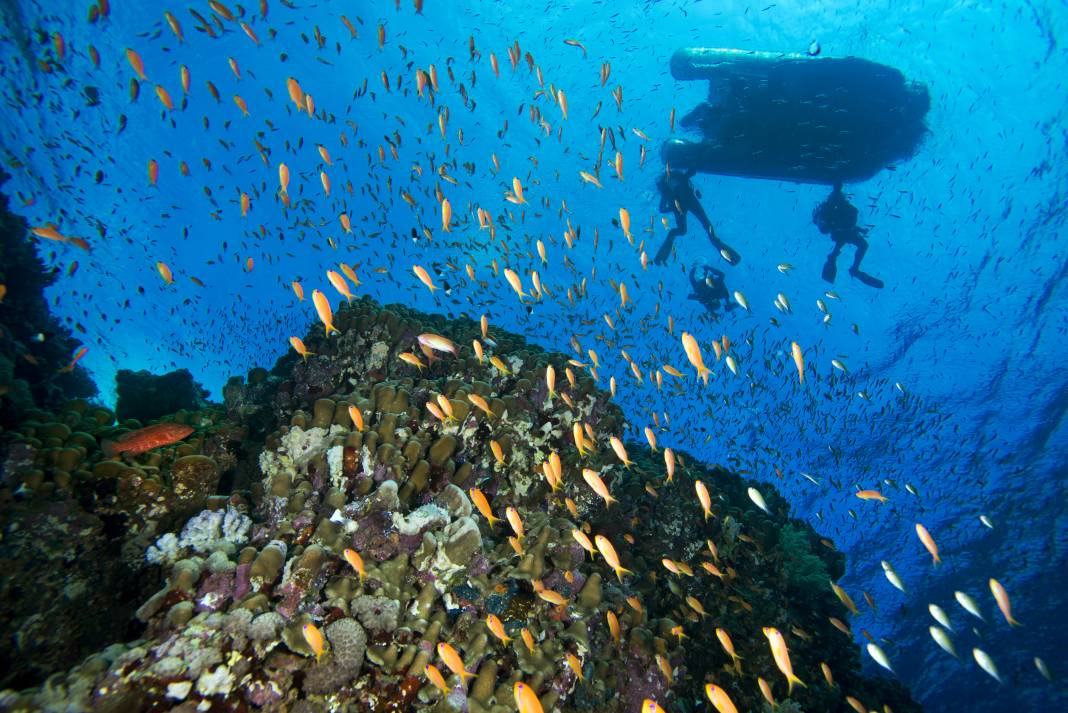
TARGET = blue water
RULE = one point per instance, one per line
(968, 235)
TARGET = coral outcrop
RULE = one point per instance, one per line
(36, 349)
(145, 396)
(355, 506)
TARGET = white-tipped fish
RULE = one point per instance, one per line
(740, 299)
(880, 657)
(810, 478)
(939, 615)
(839, 365)
(986, 521)
(1043, 669)
(732, 365)
(941, 637)
(969, 605)
(986, 663)
(892, 576)
(758, 500)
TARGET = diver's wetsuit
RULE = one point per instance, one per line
(677, 196)
(837, 217)
(709, 288)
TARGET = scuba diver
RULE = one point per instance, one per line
(837, 217)
(678, 196)
(709, 288)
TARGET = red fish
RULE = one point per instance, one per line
(145, 439)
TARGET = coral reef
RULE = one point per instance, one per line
(144, 396)
(35, 348)
(349, 511)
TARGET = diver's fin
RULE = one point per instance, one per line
(868, 279)
(830, 270)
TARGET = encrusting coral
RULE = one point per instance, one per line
(359, 524)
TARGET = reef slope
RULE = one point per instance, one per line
(242, 531)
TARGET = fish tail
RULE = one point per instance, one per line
(1012, 621)
(790, 681)
(620, 571)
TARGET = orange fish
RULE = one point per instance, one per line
(298, 290)
(799, 361)
(693, 353)
(497, 628)
(719, 698)
(176, 28)
(80, 353)
(452, 659)
(357, 417)
(525, 698)
(782, 657)
(480, 501)
(1000, 595)
(704, 497)
(434, 676)
(339, 284)
(135, 61)
(928, 542)
(871, 495)
(164, 97)
(424, 277)
(610, 556)
(314, 638)
(326, 315)
(165, 272)
(355, 561)
(446, 215)
(298, 346)
(512, 515)
(593, 479)
(147, 438)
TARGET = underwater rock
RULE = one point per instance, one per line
(370, 536)
(146, 397)
(36, 349)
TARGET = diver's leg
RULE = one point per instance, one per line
(861, 246)
(830, 267)
(731, 255)
(665, 249)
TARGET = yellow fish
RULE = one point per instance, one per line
(497, 628)
(781, 655)
(525, 698)
(298, 346)
(610, 556)
(693, 353)
(598, 486)
(314, 639)
(326, 315)
(452, 659)
(719, 698)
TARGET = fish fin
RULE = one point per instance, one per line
(110, 448)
